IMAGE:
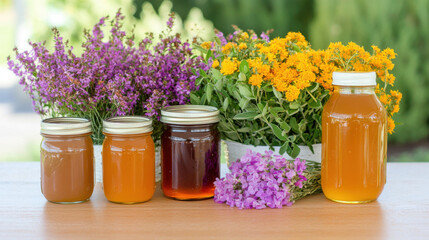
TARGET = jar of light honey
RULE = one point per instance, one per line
(354, 140)
(67, 160)
(190, 151)
(128, 159)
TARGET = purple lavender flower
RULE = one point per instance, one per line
(265, 37)
(260, 181)
(114, 76)
(221, 37)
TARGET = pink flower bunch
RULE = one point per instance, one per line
(260, 181)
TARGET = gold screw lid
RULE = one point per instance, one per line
(190, 114)
(65, 126)
(127, 125)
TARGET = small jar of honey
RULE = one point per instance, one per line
(190, 151)
(67, 160)
(128, 159)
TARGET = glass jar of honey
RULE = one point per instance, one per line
(190, 158)
(67, 160)
(354, 140)
(128, 159)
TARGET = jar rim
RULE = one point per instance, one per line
(190, 114)
(127, 125)
(65, 126)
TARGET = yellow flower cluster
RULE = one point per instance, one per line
(229, 66)
(291, 66)
(353, 57)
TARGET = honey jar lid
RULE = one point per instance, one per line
(127, 125)
(190, 114)
(65, 126)
(358, 79)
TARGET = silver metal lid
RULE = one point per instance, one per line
(65, 126)
(127, 125)
(190, 114)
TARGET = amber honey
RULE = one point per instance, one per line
(67, 160)
(190, 147)
(128, 160)
(354, 140)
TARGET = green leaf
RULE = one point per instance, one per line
(316, 105)
(260, 107)
(295, 151)
(203, 73)
(277, 109)
(265, 110)
(294, 105)
(232, 135)
(242, 77)
(243, 130)
(245, 116)
(199, 81)
(274, 113)
(278, 94)
(225, 104)
(286, 128)
(245, 91)
(244, 66)
(277, 132)
(243, 103)
(283, 148)
(195, 99)
(314, 88)
(216, 74)
(209, 55)
(292, 111)
(209, 92)
(219, 84)
(294, 124)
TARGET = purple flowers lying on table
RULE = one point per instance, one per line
(260, 181)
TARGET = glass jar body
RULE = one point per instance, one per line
(354, 145)
(67, 168)
(190, 156)
(128, 167)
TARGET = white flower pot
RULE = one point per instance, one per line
(236, 150)
(99, 163)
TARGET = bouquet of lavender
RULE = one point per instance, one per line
(261, 181)
(112, 77)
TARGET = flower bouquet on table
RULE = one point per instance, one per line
(270, 94)
(114, 75)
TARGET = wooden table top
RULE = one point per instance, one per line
(402, 212)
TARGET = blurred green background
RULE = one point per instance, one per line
(399, 24)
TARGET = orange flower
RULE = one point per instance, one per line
(215, 63)
(242, 46)
(292, 93)
(390, 125)
(229, 66)
(256, 80)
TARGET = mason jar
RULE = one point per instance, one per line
(128, 159)
(354, 140)
(67, 160)
(190, 151)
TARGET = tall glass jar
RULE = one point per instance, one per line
(128, 159)
(67, 160)
(190, 151)
(354, 140)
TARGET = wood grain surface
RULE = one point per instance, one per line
(402, 212)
